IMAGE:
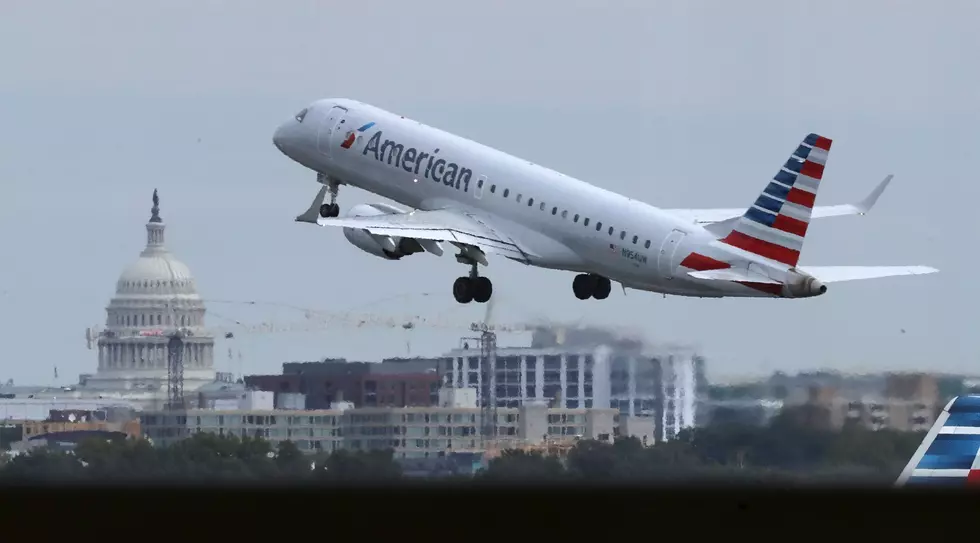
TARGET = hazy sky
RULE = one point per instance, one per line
(680, 104)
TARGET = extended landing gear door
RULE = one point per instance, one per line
(313, 213)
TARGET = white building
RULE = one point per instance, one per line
(155, 295)
(597, 372)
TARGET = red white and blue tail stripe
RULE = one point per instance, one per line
(775, 225)
(950, 453)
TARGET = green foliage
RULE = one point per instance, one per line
(797, 445)
(203, 456)
(523, 466)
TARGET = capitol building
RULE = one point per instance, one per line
(156, 296)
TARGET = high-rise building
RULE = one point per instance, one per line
(590, 368)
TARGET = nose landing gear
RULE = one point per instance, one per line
(318, 209)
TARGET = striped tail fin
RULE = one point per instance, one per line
(950, 453)
(775, 225)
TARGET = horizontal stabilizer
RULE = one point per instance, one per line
(732, 274)
(836, 274)
(712, 216)
(950, 453)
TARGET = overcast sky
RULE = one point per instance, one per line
(680, 104)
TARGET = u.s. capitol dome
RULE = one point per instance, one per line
(155, 296)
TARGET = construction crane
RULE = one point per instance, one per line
(319, 321)
(315, 321)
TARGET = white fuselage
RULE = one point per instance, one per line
(564, 223)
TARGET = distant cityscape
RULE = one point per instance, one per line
(155, 378)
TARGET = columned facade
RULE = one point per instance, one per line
(155, 296)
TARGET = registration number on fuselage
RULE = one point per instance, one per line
(634, 256)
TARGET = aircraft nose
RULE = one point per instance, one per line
(279, 137)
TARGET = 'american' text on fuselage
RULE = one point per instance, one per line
(411, 160)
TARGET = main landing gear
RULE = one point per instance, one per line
(587, 285)
(330, 210)
(472, 288)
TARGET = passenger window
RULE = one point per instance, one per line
(530, 202)
(598, 226)
(479, 184)
(493, 189)
(647, 244)
(554, 211)
(564, 214)
(622, 234)
(541, 207)
(611, 230)
(585, 222)
(506, 192)
(635, 239)
(575, 219)
(519, 196)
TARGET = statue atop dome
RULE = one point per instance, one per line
(155, 217)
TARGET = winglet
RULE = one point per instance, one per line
(865, 205)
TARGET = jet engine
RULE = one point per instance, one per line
(387, 247)
(805, 286)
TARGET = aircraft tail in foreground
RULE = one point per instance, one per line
(949, 456)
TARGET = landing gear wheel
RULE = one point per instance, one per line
(583, 285)
(328, 211)
(462, 290)
(602, 288)
(586, 285)
(472, 289)
(482, 289)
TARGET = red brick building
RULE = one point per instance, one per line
(409, 382)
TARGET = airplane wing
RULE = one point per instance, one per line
(950, 453)
(709, 216)
(447, 225)
(836, 274)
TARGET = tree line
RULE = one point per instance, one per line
(796, 445)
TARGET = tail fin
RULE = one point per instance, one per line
(950, 453)
(775, 225)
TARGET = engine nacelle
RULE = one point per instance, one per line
(805, 286)
(387, 247)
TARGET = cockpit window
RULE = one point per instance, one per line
(301, 115)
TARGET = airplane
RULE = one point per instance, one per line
(949, 455)
(481, 200)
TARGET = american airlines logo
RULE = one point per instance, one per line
(419, 163)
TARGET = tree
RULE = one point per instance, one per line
(370, 466)
(518, 465)
(290, 461)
